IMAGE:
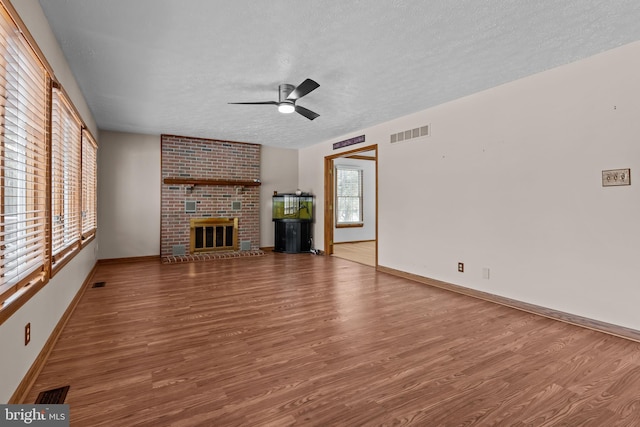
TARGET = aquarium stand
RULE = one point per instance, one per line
(292, 236)
(293, 221)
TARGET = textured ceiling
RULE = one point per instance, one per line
(167, 66)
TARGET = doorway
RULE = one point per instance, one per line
(362, 250)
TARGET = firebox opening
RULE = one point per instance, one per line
(214, 234)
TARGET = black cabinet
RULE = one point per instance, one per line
(292, 235)
(293, 219)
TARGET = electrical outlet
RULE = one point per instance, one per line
(27, 333)
(461, 267)
(485, 273)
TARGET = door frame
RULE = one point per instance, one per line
(329, 194)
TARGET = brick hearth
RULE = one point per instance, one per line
(171, 259)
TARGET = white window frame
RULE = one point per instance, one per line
(348, 196)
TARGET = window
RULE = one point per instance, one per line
(348, 196)
(23, 162)
(89, 184)
(66, 134)
(47, 170)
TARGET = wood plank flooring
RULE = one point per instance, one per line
(362, 252)
(311, 340)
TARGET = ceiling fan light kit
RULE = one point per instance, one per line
(286, 107)
(287, 96)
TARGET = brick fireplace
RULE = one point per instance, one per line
(207, 178)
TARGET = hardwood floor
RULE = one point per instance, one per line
(362, 252)
(310, 340)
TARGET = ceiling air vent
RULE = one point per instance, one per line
(408, 134)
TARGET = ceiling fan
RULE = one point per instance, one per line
(288, 95)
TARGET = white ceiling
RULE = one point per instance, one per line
(168, 66)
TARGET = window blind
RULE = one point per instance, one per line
(66, 132)
(23, 160)
(89, 184)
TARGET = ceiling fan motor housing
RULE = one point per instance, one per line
(285, 90)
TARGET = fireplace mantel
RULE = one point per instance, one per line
(200, 181)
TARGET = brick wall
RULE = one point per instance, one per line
(185, 157)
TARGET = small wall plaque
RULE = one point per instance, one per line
(347, 142)
(616, 177)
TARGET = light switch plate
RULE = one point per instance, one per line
(615, 177)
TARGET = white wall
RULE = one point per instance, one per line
(368, 230)
(129, 184)
(278, 172)
(510, 180)
(44, 310)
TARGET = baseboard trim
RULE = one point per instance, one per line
(29, 379)
(107, 261)
(584, 322)
(353, 241)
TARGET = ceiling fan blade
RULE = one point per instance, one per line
(255, 103)
(307, 113)
(303, 88)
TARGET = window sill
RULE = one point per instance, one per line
(63, 257)
(12, 303)
(352, 225)
(87, 238)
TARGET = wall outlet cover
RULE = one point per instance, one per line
(616, 177)
(27, 333)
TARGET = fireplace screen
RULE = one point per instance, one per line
(214, 234)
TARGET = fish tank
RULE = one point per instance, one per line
(293, 206)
